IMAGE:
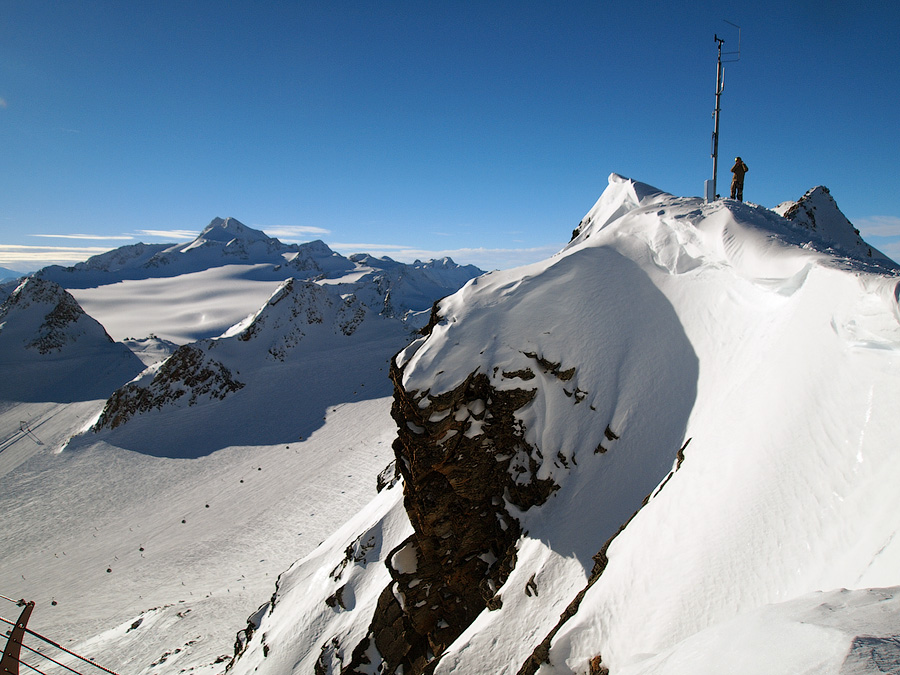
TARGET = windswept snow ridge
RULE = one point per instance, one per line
(708, 392)
(305, 332)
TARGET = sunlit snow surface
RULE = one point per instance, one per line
(181, 309)
(771, 352)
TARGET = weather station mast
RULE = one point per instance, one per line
(731, 57)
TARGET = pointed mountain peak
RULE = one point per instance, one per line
(228, 229)
(34, 291)
(818, 212)
(40, 315)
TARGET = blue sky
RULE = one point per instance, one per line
(480, 130)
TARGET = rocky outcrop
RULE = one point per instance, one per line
(188, 372)
(817, 213)
(294, 309)
(464, 461)
(61, 319)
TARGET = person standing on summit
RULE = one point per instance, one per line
(737, 183)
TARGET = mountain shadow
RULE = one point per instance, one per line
(281, 403)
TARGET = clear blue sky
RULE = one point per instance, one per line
(482, 130)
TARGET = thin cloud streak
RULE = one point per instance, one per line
(12, 255)
(291, 231)
(879, 226)
(99, 237)
(170, 234)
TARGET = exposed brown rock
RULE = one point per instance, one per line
(456, 488)
(188, 372)
(596, 667)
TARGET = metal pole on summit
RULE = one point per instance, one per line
(710, 185)
(10, 663)
(720, 85)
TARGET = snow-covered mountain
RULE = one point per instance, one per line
(818, 212)
(51, 350)
(8, 274)
(243, 385)
(187, 292)
(668, 449)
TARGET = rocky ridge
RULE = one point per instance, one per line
(62, 320)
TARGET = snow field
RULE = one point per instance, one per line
(100, 505)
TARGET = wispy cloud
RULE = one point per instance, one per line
(169, 234)
(891, 250)
(879, 226)
(292, 232)
(485, 258)
(34, 257)
(99, 237)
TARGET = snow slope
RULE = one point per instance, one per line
(103, 537)
(727, 375)
(269, 380)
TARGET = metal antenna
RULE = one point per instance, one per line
(711, 193)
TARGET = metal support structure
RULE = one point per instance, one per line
(10, 663)
(720, 85)
(711, 186)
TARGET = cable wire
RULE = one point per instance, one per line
(51, 659)
(60, 647)
(37, 670)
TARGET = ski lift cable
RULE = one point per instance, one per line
(68, 651)
(60, 647)
(15, 602)
(51, 659)
(28, 665)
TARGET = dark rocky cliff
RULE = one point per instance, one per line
(457, 486)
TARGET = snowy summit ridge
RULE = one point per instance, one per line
(817, 211)
(229, 230)
(677, 432)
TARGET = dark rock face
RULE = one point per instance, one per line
(60, 325)
(54, 332)
(299, 305)
(463, 458)
(188, 372)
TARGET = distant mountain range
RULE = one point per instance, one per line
(230, 242)
(319, 302)
(126, 379)
(184, 292)
(8, 274)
